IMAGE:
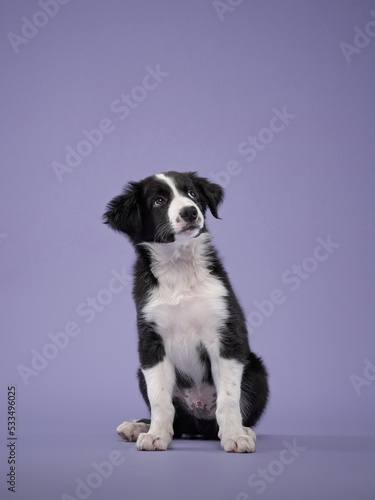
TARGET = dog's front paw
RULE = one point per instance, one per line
(129, 431)
(153, 442)
(239, 442)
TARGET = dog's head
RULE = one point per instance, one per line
(164, 207)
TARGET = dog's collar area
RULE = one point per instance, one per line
(202, 238)
(189, 250)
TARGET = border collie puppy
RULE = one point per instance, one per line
(197, 373)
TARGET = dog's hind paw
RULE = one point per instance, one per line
(129, 431)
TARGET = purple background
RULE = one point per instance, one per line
(313, 179)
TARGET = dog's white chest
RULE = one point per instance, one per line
(187, 307)
(187, 318)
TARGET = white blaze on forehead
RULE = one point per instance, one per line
(169, 181)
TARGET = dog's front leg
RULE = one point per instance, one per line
(160, 381)
(227, 376)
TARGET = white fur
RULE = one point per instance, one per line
(160, 382)
(188, 306)
(227, 375)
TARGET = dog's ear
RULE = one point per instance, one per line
(124, 212)
(211, 194)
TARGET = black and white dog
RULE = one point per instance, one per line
(197, 374)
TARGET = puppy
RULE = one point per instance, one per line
(197, 373)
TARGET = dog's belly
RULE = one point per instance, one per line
(200, 401)
(187, 326)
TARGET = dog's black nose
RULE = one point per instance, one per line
(189, 214)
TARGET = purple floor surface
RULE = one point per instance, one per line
(283, 467)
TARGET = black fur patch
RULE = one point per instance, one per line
(150, 346)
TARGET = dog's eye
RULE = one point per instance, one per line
(159, 201)
(191, 193)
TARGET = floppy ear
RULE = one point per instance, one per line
(212, 194)
(124, 211)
